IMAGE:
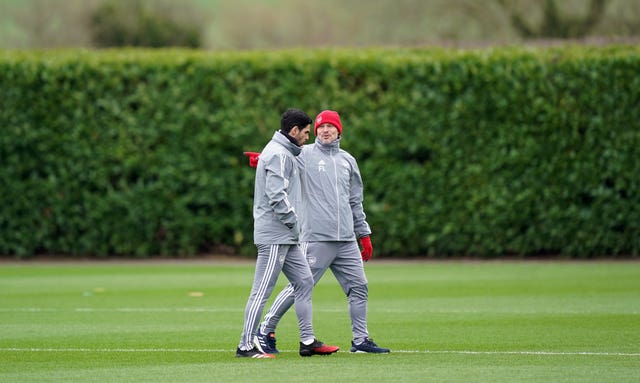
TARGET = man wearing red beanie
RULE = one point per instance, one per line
(333, 219)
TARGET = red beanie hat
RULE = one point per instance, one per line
(328, 117)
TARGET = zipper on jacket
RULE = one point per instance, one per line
(335, 170)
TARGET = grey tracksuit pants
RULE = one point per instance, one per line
(345, 261)
(271, 260)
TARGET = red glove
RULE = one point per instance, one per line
(367, 248)
(253, 158)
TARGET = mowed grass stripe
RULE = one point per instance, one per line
(327, 310)
(461, 352)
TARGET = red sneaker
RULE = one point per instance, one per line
(317, 348)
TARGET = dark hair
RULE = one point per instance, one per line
(294, 117)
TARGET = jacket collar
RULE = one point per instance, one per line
(332, 147)
(280, 138)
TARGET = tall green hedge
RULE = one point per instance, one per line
(463, 152)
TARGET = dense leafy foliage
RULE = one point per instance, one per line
(463, 152)
(136, 23)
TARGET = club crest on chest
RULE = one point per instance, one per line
(346, 168)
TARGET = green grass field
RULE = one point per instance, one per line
(444, 321)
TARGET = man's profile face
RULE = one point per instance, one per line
(300, 135)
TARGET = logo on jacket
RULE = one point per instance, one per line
(346, 168)
(321, 166)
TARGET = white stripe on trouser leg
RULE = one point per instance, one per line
(286, 292)
(283, 296)
(256, 304)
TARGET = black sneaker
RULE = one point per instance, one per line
(266, 342)
(253, 353)
(317, 348)
(368, 346)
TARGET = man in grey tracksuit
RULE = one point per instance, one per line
(333, 219)
(277, 198)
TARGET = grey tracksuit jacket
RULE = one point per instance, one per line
(333, 190)
(277, 193)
